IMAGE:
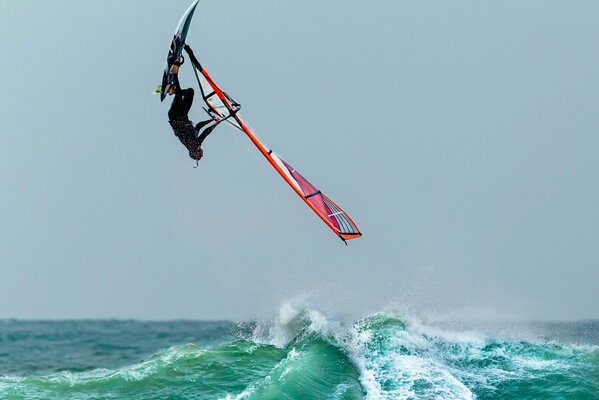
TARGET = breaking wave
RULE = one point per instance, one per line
(302, 354)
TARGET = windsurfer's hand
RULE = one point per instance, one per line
(174, 69)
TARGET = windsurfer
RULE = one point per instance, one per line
(189, 134)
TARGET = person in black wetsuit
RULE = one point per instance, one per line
(189, 134)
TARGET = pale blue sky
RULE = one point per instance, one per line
(462, 137)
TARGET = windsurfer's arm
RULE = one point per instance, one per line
(192, 57)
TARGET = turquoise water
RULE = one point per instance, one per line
(299, 355)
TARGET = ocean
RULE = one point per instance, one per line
(300, 354)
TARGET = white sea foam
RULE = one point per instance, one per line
(395, 363)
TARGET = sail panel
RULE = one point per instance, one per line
(287, 171)
(338, 218)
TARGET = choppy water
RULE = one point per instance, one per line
(299, 355)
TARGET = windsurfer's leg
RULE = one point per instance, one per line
(187, 95)
(181, 104)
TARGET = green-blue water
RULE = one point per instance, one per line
(301, 356)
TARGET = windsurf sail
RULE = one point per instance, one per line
(329, 212)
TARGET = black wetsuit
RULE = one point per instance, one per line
(184, 129)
